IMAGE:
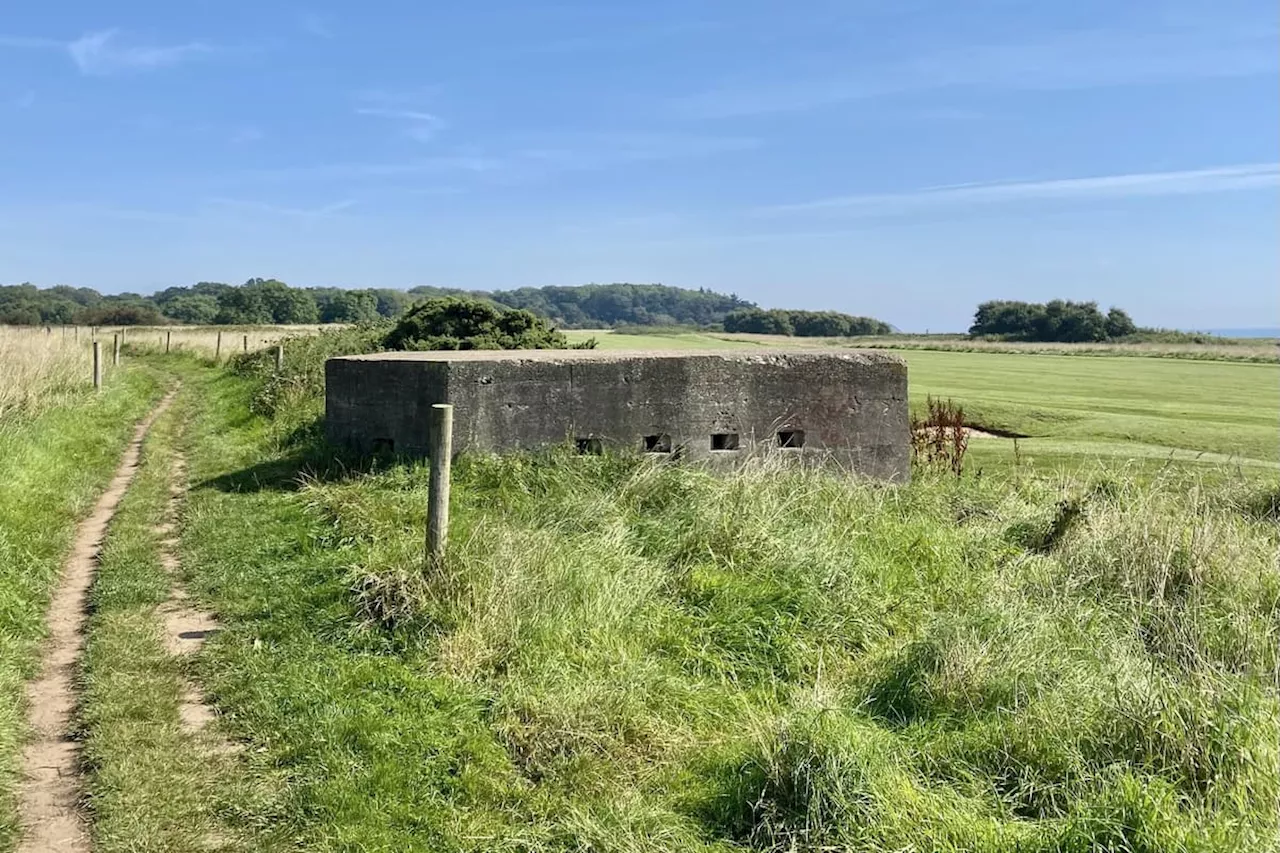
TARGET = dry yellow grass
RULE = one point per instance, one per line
(205, 339)
(39, 367)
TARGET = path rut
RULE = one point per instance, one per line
(185, 627)
(49, 796)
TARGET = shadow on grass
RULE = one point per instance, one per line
(307, 458)
(1264, 505)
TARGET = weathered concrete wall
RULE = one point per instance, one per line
(846, 406)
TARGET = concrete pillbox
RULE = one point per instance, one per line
(846, 406)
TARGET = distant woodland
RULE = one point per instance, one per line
(263, 301)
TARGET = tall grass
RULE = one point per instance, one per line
(647, 657)
(204, 340)
(39, 368)
(621, 655)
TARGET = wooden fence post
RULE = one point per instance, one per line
(115, 350)
(246, 343)
(97, 366)
(217, 348)
(440, 439)
(279, 358)
(168, 337)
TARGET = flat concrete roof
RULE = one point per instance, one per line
(555, 355)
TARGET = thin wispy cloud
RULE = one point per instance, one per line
(601, 150)
(407, 115)
(462, 163)
(1135, 185)
(320, 212)
(530, 158)
(107, 52)
(112, 51)
(404, 110)
(1073, 60)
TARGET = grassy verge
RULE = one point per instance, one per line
(52, 467)
(152, 786)
(621, 656)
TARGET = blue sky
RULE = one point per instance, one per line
(901, 159)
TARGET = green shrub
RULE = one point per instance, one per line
(453, 323)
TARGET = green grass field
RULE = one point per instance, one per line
(1081, 410)
(1106, 409)
(1077, 653)
(620, 656)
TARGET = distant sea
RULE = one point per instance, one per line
(1263, 332)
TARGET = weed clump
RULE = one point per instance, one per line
(940, 439)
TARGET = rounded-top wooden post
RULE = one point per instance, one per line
(115, 349)
(97, 366)
(440, 439)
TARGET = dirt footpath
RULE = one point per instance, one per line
(49, 795)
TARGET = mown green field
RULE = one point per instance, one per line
(1079, 409)
(1082, 410)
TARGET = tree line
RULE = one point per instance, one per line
(262, 301)
(256, 302)
(1057, 320)
(803, 324)
(607, 305)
